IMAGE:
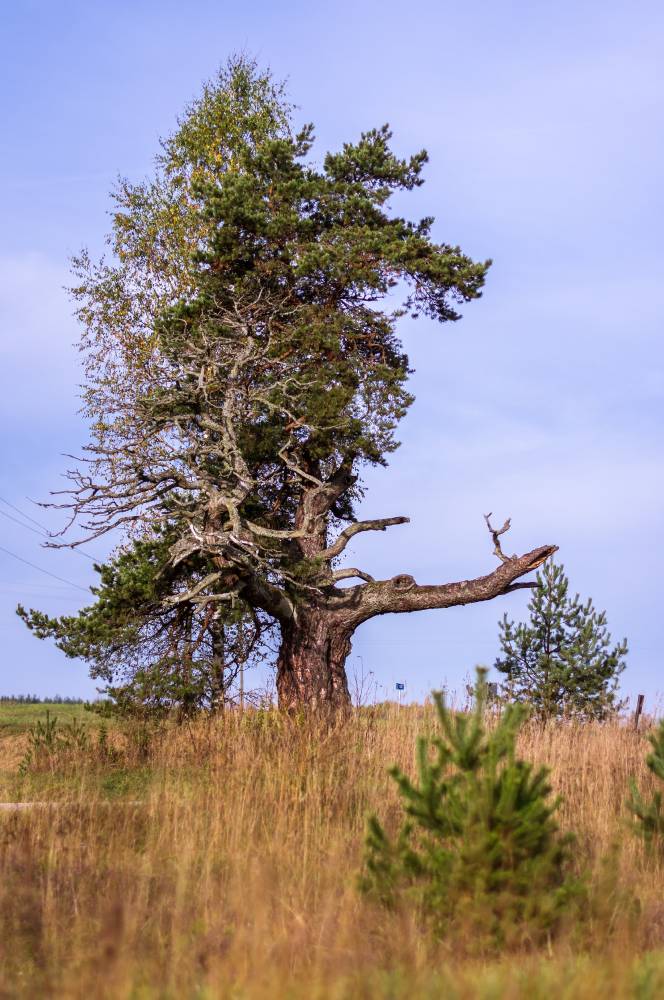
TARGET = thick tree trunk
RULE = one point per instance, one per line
(311, 669)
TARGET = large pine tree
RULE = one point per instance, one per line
(241, 372)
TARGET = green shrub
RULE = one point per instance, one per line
(479, 849)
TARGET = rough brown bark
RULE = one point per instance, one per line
(311, 669)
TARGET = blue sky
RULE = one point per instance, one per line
(543, 124)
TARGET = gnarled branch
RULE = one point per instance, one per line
(350, 573)
(379, 524)
(403, 594)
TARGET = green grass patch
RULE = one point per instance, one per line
(17, 718)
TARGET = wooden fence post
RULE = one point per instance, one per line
(639, 709)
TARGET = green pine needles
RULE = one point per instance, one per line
(649, 822)
(479, 850)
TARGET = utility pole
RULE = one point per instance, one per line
(218, 661)
(241, 654)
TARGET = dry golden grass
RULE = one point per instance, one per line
(233, 875)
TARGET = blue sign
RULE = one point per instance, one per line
(400, 687)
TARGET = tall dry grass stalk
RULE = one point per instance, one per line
(234, 875)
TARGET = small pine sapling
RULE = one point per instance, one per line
(649, 821)
(47, 743)
(479, 849)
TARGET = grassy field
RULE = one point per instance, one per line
(17, 718)
(220, 860)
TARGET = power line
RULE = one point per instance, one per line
(26, 526)
(47, 572)
(23, 514)
(43, 530)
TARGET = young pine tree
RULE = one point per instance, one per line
(649, 815)
(561, 662)
(480, 850)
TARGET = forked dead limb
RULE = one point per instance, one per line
(495, 534)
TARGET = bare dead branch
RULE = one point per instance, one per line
(380, 524)
(495, 534)
(350, 573)
(189, 595)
